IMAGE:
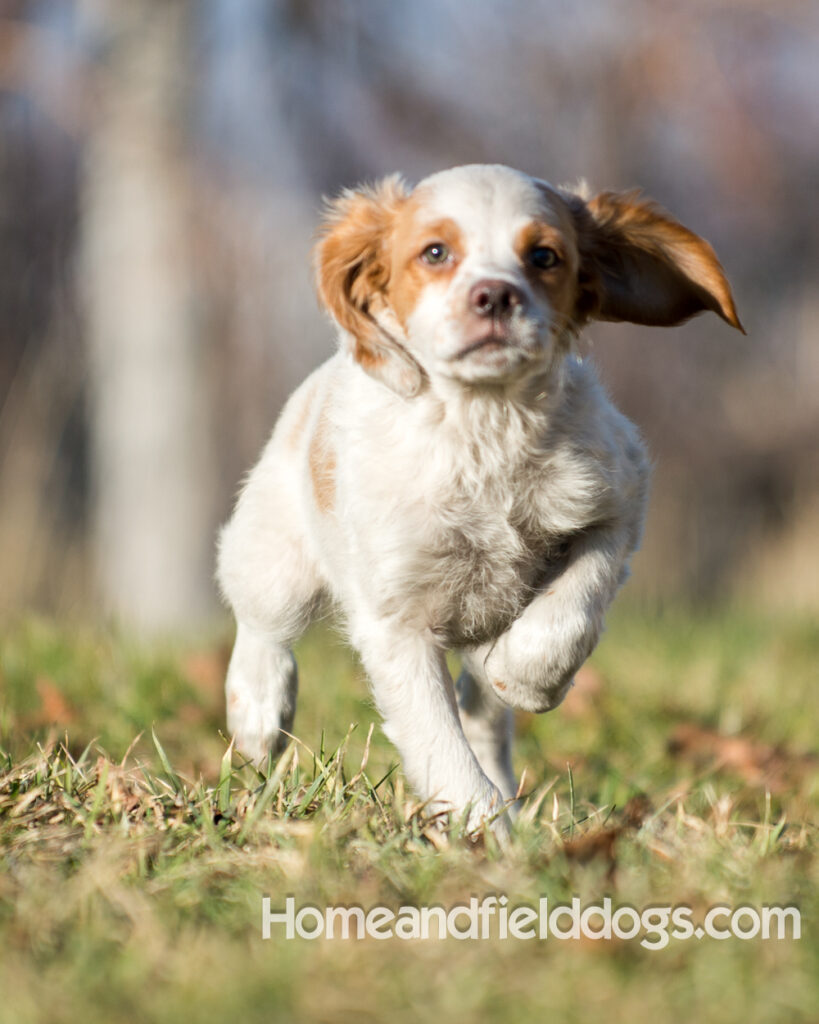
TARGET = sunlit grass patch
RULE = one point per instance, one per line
(137, 845)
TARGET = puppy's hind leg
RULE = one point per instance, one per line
(261, 689)
(275, 589)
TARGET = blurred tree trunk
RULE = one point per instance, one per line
(151, 463)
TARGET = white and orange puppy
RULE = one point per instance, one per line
(454, 477)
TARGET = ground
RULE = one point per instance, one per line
(137, 846)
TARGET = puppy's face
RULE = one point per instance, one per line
(481, 274)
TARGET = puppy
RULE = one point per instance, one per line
(454, 477)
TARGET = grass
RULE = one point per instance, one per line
(136, 845)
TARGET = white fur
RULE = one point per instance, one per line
(497, 520)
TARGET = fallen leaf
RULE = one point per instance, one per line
(600, 843)
(583, 696)
(758, 763)
(637, 809)
(54, 708)
(206, 671)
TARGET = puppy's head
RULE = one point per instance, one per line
(482, 274)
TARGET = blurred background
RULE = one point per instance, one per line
(162, 164)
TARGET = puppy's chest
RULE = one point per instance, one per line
(480, 565)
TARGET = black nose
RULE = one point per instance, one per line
(495, 298)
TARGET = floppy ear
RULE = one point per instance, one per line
(353, 270)
(639, 264)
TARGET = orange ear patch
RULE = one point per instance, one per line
(353, 270)
(639, 264)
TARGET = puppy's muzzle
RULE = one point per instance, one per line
(494, 307)
(495, 299)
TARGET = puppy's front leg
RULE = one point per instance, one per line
(532, 664)
(489, 727)
(413, 690)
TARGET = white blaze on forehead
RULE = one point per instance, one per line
(490, 204)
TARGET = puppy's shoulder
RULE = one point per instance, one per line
(595, 445)
(588, 416)
(293, 426)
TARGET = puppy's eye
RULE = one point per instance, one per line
(543, 257)
(435, 254)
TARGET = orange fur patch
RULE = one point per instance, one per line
(301, 416)
(323, 464)
(409, 274)
(559, 284)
